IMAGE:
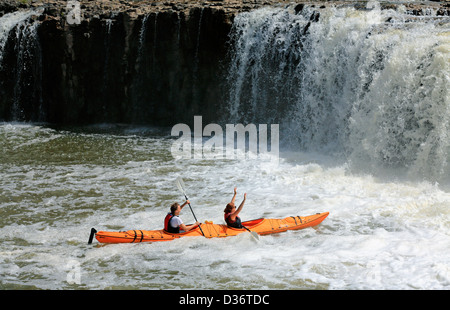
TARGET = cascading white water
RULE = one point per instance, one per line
(26, 46)
(25, 77)
(7, 23)
(370, 85)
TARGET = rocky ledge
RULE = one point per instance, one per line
(104, 8)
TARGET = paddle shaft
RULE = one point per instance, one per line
(199, 226)
(246, 228)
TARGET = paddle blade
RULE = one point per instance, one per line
(91, 236)
(180, 185)
(255, 235)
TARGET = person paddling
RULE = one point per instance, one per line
(173, 223)
(231, 214)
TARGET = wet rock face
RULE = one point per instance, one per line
(151, 69)
(127, 63)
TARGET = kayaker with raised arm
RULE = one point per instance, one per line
(173, 223)
(231, 214)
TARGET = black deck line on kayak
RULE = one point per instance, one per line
(142, 236)
(215, 230)
(294, 220)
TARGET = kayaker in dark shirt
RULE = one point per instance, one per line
(231, 214)
(172, 221)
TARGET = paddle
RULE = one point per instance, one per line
(180, 185)
(254, 234)
(91, 236)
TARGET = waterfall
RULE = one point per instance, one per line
(20, 44)
(137, 87)
(7, 23)
(142, 34)
(370, 85)
(106, 80)
(26, 44)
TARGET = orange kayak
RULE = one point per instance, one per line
(260, 226)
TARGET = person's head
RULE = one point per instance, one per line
(229, 208)
(175, 209)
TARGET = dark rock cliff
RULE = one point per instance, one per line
(117, 64)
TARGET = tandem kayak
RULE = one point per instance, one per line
(261, 226)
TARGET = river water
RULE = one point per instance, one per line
(57, 184)
(364, 135)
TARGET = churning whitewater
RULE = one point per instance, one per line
(348, 82)
(364, 134)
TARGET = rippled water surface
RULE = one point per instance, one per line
(58, 183)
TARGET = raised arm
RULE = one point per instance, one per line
(185, 203)
(235, 214)
(234, 196)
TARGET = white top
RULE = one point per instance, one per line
(175, 222)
